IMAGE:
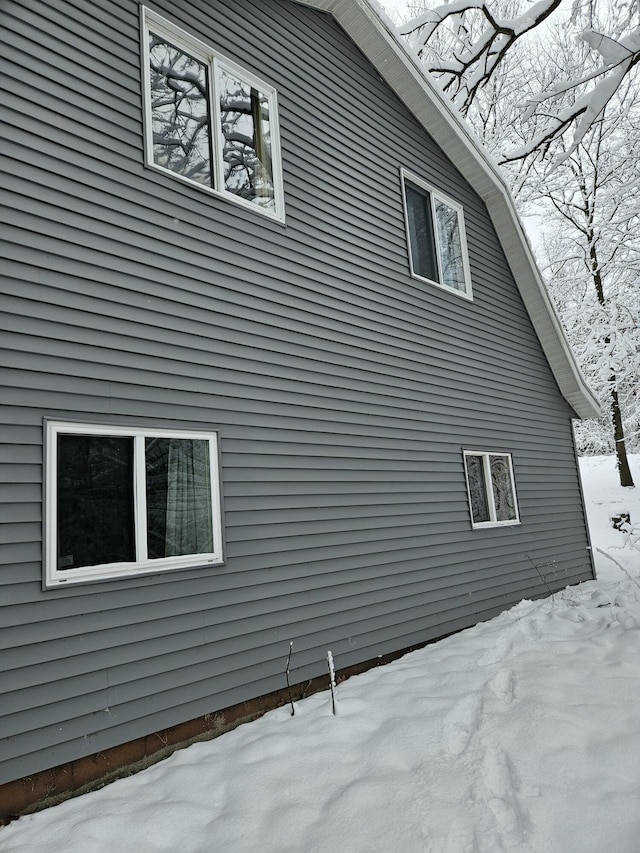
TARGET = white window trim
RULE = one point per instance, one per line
(493, 522)
(54, 577)
(212, 59)
(434, 193)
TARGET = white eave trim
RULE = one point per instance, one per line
(375, 36)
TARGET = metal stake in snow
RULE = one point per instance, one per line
(332, 682)
(286, 673)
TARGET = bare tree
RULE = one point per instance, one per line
(594, 268)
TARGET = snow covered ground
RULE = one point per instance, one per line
(520, 734)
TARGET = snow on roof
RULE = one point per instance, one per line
(375, 35)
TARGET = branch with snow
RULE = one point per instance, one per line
(618, 59)
(474, 56)
(465, 42)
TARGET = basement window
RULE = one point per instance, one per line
(436, 237)
(491, 488)
(208, 121)
(122, 502)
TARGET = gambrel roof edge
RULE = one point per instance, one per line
(375, 36)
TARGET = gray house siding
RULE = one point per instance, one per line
(343, 390)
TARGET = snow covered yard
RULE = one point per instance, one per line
(520, 734)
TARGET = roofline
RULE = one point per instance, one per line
(376, 37)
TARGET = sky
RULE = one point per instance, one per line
(395, 7)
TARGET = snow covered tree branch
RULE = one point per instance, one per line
(480, 41)
(465, 42)
(618, 59)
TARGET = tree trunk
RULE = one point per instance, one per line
(624, 471)
(618, 436)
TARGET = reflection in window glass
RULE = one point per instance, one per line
(246, 140)
(180, 112)
(179, 518)
(449, 245)
(436, 237)
(477, 489)
(502, 489)
(210, 121)
(492, 494)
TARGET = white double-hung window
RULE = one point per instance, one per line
(208, 121)
(491, 488)
(436, 237)
(123, 501)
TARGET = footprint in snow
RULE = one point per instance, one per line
(461, 723)
(502, 788)
(627, 621)
(506, 817)
(502, 685)
(497, 773)
(530, 628)
(461, 839)
(497, 653)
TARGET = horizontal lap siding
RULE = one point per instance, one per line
(343, 390)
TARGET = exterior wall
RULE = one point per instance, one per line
(343, 390)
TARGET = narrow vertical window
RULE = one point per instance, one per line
(477, 489)
(245, 140)
(450, 246)
(491, 488)
(436, 239)
(180, 118)
(421, 234)
(178, 476)
(95, 501)
(502, 488)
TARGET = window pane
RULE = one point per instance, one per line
(423, 249)
(179, 111)
(477, 489)
(179, 511)
(450, 246)
(95, 500)
(502, 488)
(246, 140)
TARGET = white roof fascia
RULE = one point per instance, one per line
(375, 36)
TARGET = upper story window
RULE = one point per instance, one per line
(491, 487)
(436, 237)
(121, 502)
(209, 121)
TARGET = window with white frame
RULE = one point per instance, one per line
(208, 121)
(491, 488)
(125, 501)
(436, 236)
